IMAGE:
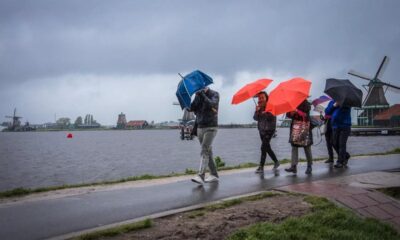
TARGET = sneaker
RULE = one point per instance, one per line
(276, 165)
(198, 179)
(330, 160)
(211, 179)
(292, 169)
(260, 170)
(309, 170)
(338, 165)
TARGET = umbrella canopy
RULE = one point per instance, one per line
(321, 103)
(190, 84)
(288, 95)
(344, 92)
(250, 90)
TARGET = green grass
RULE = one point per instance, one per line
(326, 221)
(116, 230)
(18, 192)
(392, 191)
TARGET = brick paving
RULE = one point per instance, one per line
(367, 203)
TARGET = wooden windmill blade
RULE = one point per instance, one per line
(385, 59)
(356, 74)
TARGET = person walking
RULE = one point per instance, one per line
(205, 107)
(300, 135)
(328, 136)
(266, 123)
(341, 125)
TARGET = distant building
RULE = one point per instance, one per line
(137, 124)
(89, 122)
(121, 122)
(389, 117)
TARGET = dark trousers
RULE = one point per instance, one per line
(339, 137)
(328, 139)
(266, 147)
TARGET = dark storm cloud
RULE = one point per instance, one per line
(42, 41)
(44, 38)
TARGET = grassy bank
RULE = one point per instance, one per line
(221, 167)
(326, 221)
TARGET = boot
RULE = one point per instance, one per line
(276, 165)
(292, 169)
(309, 169)
(260, 169)
(330, 160)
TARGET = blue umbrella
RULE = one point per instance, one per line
(190, 84)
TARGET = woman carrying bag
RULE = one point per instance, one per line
(300, 135)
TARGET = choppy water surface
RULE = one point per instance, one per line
(38, 159)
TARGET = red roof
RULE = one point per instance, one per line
(389, 113)
(138, 123)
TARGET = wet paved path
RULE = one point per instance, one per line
(365, 201)
(53, 217)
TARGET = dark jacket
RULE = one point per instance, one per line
(205, 107)
(305, 107)
(340, 116)
(265, 121)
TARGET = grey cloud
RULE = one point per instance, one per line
(50, 39)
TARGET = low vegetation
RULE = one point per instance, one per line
(116, 230)
(392, 191)
(326, 221)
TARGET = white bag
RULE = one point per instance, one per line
(323, 128)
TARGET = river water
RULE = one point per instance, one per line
(40, 159)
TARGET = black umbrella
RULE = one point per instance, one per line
(343, 92)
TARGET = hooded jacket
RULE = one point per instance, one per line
(205, 107)
(340, 116)
(265, 121)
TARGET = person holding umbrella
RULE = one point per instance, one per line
(345, 95)
(341, 128)
(205, 107)
(300, 135)
(266, 123)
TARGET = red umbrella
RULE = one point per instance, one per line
(288, 95)
(250, 90)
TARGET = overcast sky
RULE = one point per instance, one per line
(71, 58)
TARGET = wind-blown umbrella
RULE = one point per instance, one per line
(250, 90)
(190, 84)
(344, 92)
(320, 103)
(288, 95)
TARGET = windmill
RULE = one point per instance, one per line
(375, 101)
(15, 120)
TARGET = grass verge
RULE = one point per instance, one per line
(327, 221)
(116, 230)
(18, 192)
(392, 191)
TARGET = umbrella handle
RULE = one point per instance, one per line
(254, 102)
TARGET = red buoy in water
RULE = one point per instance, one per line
(69, 135)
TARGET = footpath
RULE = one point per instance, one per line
(67, 213)
(358, 193)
